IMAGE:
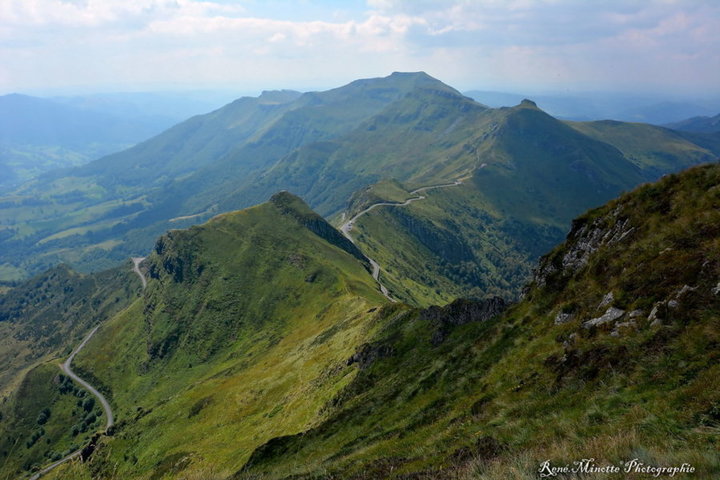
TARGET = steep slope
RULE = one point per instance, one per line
(655, 150)
(262, 349)
(612, 355)
(530, 174)
(41, 320)
(420, 138)
(103, 212)
(44, 315)
(241, 335)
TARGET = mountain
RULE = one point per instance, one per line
(324, 147)
(266, 301)
(700, 124)
(613, 348)
(586, 106)
(38, 135)
(532, 175)
(262, 348)
(94, 215)
(656, 150)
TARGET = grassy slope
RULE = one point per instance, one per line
(482, 238)
(426, 137)
(46, 419)
(43, 317)
(496, 398)
(41, 320)
(452, 244)
(655, 150)
(100, 213)
(242, 335)
(322, 146)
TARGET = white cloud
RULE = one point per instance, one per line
(542, 42)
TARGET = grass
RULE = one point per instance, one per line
(44, 421)
(238, 359)
(276, 311)
(496, 399)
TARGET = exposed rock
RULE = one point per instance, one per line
(460, 312)
(583, 240)
(673, 304)
(636, 314)
(571, 340)
(716, 290)
(623, 326)
(610, 315)
(606, 301)
(562, 317)
(655, 312)
(367, 353)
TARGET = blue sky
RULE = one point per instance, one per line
(658, 46)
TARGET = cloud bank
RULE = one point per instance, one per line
(650, 45)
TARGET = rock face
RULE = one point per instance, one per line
(610, 315)
(460, 312)
(562, 317)
(368, 353)
(584, 239)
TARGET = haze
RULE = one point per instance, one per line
(74, 46)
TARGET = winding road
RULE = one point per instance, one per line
(347, 226)
(66, 368)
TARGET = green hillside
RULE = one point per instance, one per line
(655, 150)
(241, 335)
(43, 415)
(324, 146)
(530, 175)
(97, 215)
(612, 355)
(262, 349)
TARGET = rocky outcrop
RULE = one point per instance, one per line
(367, 353)
(584, 239)
(610, 315)
(445, 319)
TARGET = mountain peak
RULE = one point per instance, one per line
(294, 206)
(419, 74)
(278, 96)
(527, 104)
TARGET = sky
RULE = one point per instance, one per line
(659, 46)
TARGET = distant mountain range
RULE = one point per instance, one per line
(700, 124)
(38, 135)
(367, 282)
(589, 106)
(524, 174)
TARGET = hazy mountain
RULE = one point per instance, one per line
(324, 146)
(38, 135)
(262, 348)
(698, 124)
(168, 107)
(656, 110)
